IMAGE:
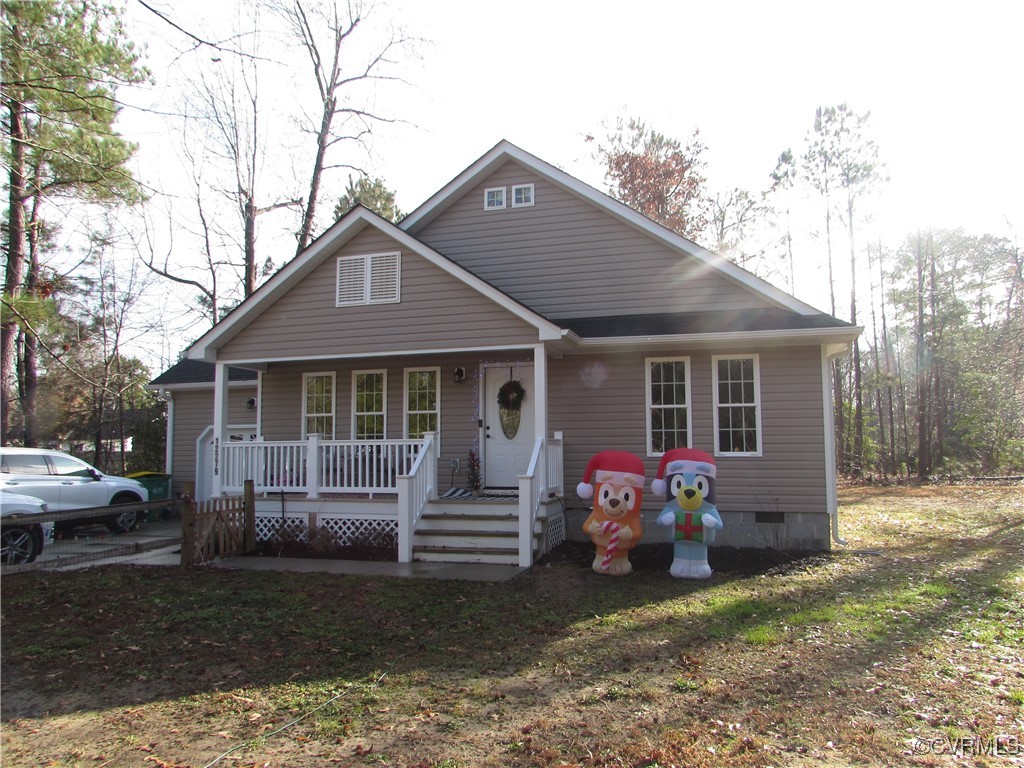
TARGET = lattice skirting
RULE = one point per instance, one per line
(554, 531)
(347, 530)
(277, 527)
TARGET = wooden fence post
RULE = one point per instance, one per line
(188, 531)
(249, 493)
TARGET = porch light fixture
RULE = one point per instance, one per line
(251, 403)
(460, 375)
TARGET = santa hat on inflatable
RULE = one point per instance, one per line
(682, 461)
(616, 467)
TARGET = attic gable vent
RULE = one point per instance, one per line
(371, 279)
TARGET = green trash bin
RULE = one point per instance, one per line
(159, 486)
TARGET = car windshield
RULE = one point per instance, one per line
(65, 465)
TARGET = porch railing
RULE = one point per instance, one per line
(415, 489)
(317, 466)
(541, 480)
(407, 468)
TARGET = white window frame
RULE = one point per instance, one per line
(716, 404)
(487, 199)
(648, 381)
(378, 281)
(384, 403)
(436, 370)
(516, 188)
(305, 402)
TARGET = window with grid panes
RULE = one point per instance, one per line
(668, 404)
(737, 399)
(422, 401)
(318, 405)
(368, 405)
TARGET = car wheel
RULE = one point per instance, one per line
(123, 521)
(17, 546)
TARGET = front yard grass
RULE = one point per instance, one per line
(906, 647)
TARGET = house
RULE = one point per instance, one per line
(374, 362)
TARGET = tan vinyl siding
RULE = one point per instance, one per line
(460, 403)
(598, 401)
(592, 263)
(193, 413)
(436, 311)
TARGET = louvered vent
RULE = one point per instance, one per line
(384, 278)
(371, 279)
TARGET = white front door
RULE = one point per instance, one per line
(506, 448)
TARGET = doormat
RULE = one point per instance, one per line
(465, 493)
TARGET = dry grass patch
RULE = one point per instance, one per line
(902, 646)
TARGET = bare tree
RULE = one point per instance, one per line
(342, 73)
(733, 216)
(228, 99)
(226, 130)
(204, 277)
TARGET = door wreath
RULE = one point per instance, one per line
(510, 403)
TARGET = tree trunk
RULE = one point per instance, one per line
(121, 386)
(99, 397)
(249, 214)
(880, 464)
(888, 365)
(858, 395)
(30, 366)
(840, 417)
(938, 394)
(308, 215)
(924, 462)
(30, 348)
(15, 273)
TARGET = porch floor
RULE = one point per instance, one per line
(448, 571)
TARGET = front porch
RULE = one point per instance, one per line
(370, 488)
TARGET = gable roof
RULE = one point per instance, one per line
(351, 224)
(505, 150)
(793, 319)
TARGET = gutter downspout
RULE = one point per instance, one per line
(831, 492)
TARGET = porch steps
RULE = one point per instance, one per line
(470, 531)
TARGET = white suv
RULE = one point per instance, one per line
(65, 483)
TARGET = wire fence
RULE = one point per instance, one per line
(137, 532)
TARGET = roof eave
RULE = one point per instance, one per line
(830, 336)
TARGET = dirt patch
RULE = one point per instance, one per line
(913, 656)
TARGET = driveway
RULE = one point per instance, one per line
(155, 543)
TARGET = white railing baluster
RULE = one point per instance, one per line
(318, 466)
(415, 489)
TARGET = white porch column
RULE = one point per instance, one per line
(169, 448)
(313, 466)
(220, 424)
(540, 408)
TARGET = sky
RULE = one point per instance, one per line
(941, 80)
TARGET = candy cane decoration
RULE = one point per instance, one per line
(613, 542)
